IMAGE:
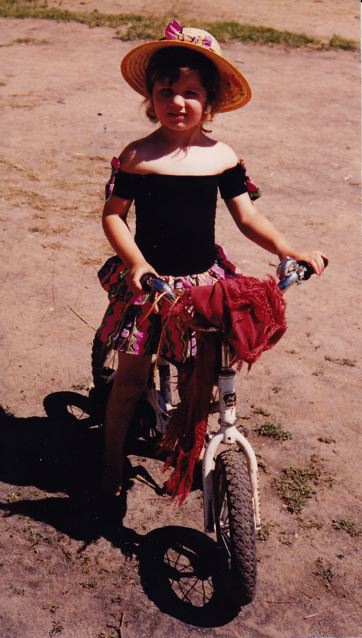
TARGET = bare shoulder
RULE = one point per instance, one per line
(227, 156)
(221, 155)
(134, 154)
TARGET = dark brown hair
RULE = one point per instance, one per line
(167, 63)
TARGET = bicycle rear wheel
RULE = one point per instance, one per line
(234, 520)
(104, 365)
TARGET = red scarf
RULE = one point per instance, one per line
(251, 315)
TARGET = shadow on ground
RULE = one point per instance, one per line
(181, 569)
(183, 572)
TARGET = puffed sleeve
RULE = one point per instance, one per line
(125, 185)
(233, 182)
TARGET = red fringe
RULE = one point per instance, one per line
(185, 434)
(251, 314)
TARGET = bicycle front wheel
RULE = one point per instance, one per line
(234, 519)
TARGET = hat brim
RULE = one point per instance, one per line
(235, 91)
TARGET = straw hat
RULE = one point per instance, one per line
(235, 91)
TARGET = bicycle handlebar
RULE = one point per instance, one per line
(289, 272)
(292, 272)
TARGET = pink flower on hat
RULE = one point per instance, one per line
(174, 31)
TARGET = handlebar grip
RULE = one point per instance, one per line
(308, 268)
(145, 281)
(151, 283)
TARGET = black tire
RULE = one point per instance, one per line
(69, 407)
(234, 519)
(104, 365)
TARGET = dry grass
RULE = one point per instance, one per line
(31, 174)
(296, 485)
(33, 41)
(131, 26)
(273, 431)
(348, 526)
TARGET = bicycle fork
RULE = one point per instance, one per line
(229, 434)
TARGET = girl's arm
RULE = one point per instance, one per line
(255, 226)
(119, 236)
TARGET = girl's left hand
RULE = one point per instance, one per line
(316, 259)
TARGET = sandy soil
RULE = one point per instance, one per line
(65, 112)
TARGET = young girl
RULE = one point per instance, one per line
(173, 176)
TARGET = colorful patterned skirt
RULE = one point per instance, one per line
(131, 324)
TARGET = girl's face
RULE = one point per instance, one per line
(180, 106)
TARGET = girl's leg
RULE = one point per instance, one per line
(129, 382)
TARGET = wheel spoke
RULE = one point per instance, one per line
(77, 412)
(184, 579)
(224, 513)
(224, 524)
(225, 537)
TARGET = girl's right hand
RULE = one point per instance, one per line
(315, 258)
(134, 275)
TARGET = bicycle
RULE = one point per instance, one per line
(229, 479)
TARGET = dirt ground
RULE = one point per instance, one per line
(65, 112)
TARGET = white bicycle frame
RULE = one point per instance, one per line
(227, 434)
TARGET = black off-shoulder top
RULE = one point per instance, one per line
(175, 216)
